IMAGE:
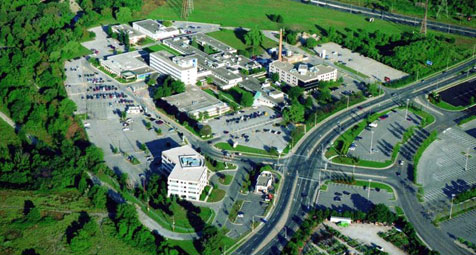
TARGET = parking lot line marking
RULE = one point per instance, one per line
(367, 175)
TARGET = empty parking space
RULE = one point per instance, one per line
(360, 63)
(344, 197)
(376, 143)
(101, 44)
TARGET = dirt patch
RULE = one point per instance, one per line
(367, 233)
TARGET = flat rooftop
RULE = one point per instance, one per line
(189, 164)
(150, 25)
(128, 29)
(303, 71)
(264, 178)
(253, 84)
(217, 45)
(179, 62)
(129, 61)
(193, 99)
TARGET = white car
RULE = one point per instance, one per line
(373, 124)
(401, 162)
(126, 129)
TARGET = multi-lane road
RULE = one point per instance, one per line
(308, 159)
(397, 18)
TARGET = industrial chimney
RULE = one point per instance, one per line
(280, 57)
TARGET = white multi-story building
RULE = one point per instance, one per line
(302, 74)
(154, 29)
(188, 174)
(180, 68)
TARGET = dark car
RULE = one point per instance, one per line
(159, 122)
(337, 199)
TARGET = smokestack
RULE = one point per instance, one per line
(280, 57)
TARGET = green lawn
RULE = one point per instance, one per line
(250, 14)
(146, 41)
(185, 245)
(399, 211)
(7, 134)
(225, 179)
(234, 210)
(216, 195)
(241, 148)
(48, 235)
(182, 221)
(466, 120)
(236, 39)
(158, 47)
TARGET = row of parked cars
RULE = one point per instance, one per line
(102, 88)
(246, 117)
(108, 96)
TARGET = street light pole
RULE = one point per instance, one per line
(406, 111)
(347, 101)
(371, 141)
(451, 206)
(368, 193)
(467, 157)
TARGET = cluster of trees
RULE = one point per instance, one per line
(290, 36)
(253, 39)
(122, 37)
(243, 97)
(311, 43)
(80, 231)
(465, 195)
(168, 87)
(211, 241)
(378, 213)
(121, 10)
(408, 52)
(276, 18)
(454, 7)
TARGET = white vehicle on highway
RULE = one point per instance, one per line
(373, 124)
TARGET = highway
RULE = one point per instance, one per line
(298, 166)
(397, 18)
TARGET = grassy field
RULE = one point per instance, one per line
(7, 134)
(298, 16)
(226, 179)
(241, 148)
(216, 195)
(158, 47)
(48, 235)
(181, 218)
(236, 39)
(234, 210)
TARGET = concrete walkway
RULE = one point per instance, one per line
(9, 121)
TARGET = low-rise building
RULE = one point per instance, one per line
(303, 75)
(128, 65)
(195, 102)
(264, 94)
(229, 78)
(179, 67)
(134, 35)
(264, 182)
(154, 29)
(187, 172)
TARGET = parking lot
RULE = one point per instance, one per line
(343, 197)
(386, 134)
(253, 208)
(196, 27)
(441, 169)
(103, 99)
(253, 128)
(462, 226)
(360, 63)
(101, 43)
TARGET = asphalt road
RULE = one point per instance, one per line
(404, 188)
(397, 18)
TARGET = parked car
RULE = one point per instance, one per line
(373, 124)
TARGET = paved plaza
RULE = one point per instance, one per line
(372, 68)
(343, 197)
(441, 169)
(388, 133)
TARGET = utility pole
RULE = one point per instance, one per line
(406, 111)
(451, 206)
(368, 193)
(347, 101)
(353, 170)
(315, 119)
(371, 141)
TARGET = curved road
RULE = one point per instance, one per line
(308, 159)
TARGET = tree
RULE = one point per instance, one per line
(324, 96)
(212, 241)
(205, 131)
(279, 19)
(295, 92)
(254, 38)
(124, 14)
(167, 23)
(311, 43)
(275, 77)
(209, 80)
(294, 113)
(199, 83)
(246, 99)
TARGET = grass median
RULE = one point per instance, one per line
(234, 210)
(243, 149)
